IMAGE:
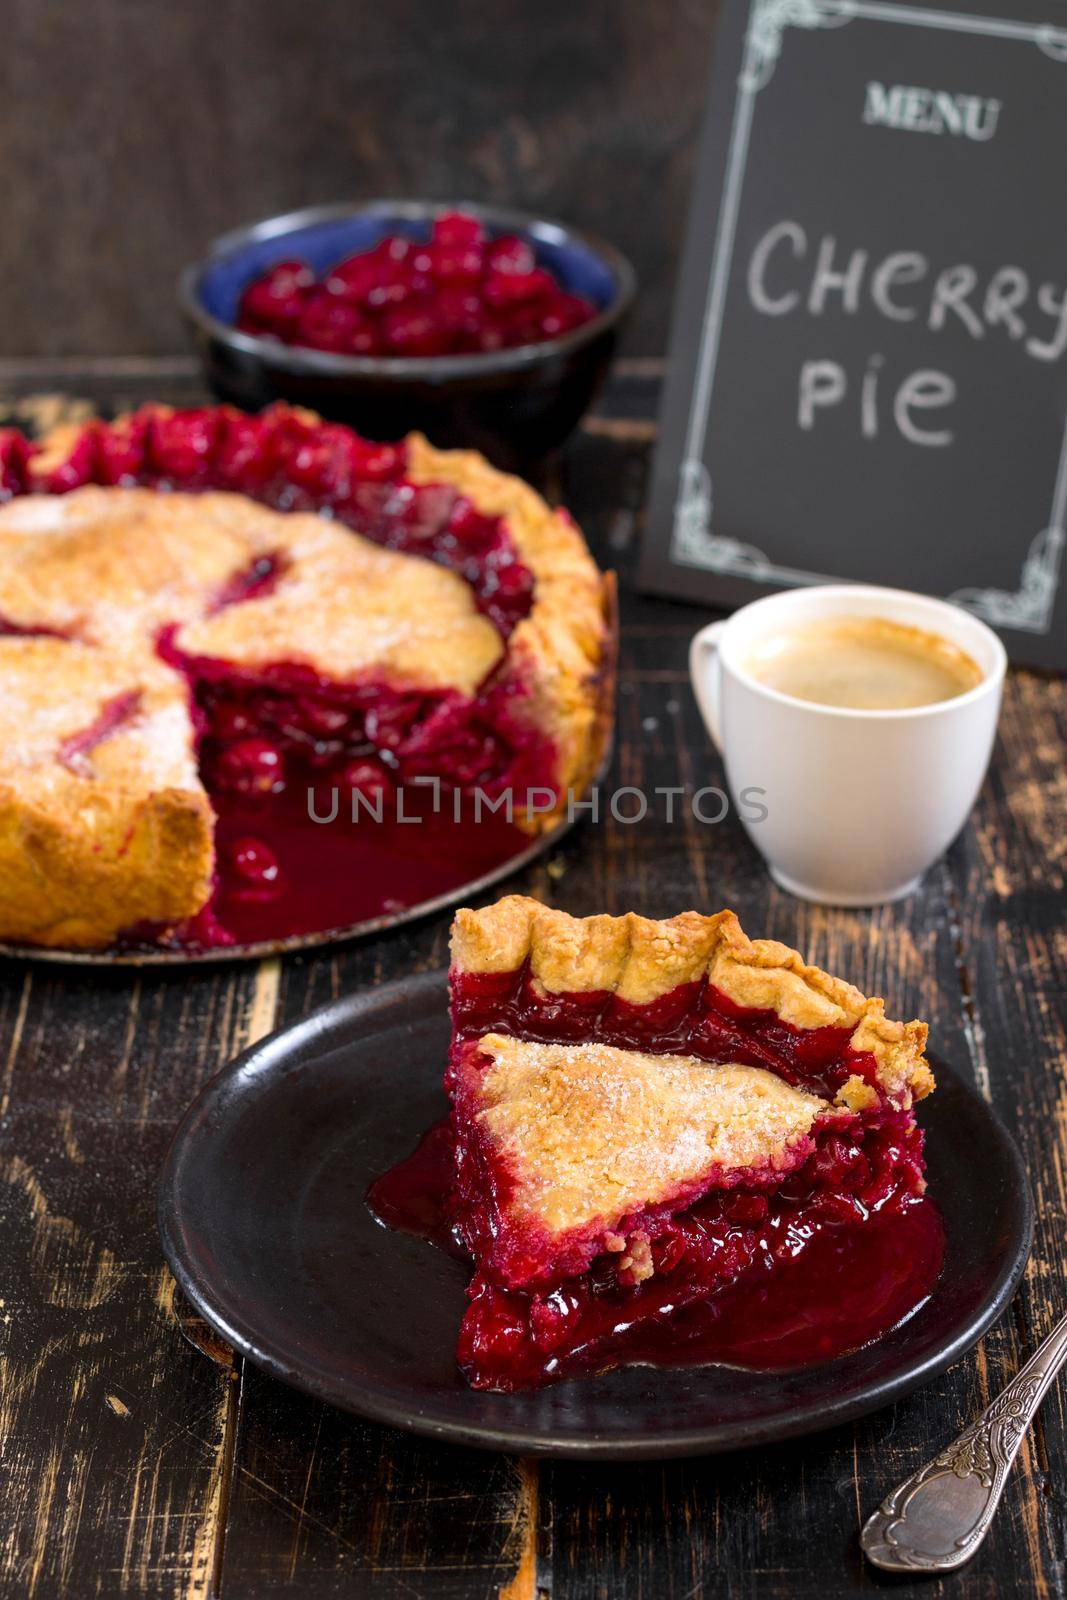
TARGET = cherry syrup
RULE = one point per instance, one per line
(838, 1287)
(282, 875)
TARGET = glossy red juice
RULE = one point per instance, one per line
(787, 1286)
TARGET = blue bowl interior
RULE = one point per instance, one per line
(576, 265)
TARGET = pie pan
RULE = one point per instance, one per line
(263, 1221)
(151, 956)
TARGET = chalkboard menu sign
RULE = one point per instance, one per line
(868, 374)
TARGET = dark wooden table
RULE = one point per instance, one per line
(140, 1458)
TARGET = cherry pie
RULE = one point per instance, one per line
(203, 614)
(654, 1122)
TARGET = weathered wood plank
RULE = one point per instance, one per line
(1009, 869)
(114, 1429)
(323, 1504)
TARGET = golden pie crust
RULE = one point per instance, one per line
(126, 836)
(639, 960)
(592, 1133)
(95, 841)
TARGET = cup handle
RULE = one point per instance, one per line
(704, 657)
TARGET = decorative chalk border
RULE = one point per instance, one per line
(1028, 608)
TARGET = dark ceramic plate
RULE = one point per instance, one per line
(262, 1213)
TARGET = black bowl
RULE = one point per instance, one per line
(513, 405)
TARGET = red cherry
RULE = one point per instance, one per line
(327, 462)
(379, 462)
(492, 335)
(394, 274)
(513, 581)
(369, 778)
(230, 722)
(394, 247)
(323, 721)
(243, 458)
(562, 313)
(254, 862)
(384, 295)
(469, 527)
(353, 278)
(365, 340)
(458, 305)
(80, 467)
(509, 253)
(746, 1208)
(122, 449)
(455, 264)
(327, 322)
(181, 445)
(253, 766)
(420, 510)
(277, 297)
(504, 289)
(388, 722)
(457, 229)
(15, 454)
(414, 333)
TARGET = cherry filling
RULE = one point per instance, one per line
(516, 1338)
(457, 292)
(17, 630)
(252, 583)
(265, 729)
(694, 1019)
(337, 803)
(770, 1272)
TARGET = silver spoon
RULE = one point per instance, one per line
(936, 1519)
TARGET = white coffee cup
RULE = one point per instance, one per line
(858, 803)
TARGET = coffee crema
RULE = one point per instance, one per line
(864, 664)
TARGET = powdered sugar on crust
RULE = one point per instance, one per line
(55, 690)
(591, 1133)
(103, 820)
(375, 610)
(111, 566)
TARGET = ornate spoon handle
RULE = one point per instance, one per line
(936, 1519)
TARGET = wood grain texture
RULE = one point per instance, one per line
(133, 133)
(139, 1461)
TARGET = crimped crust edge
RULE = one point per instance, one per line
(639, 960)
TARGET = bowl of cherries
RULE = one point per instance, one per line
(481, 327)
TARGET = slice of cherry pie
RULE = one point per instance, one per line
(652, 1119)
(205, 615)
